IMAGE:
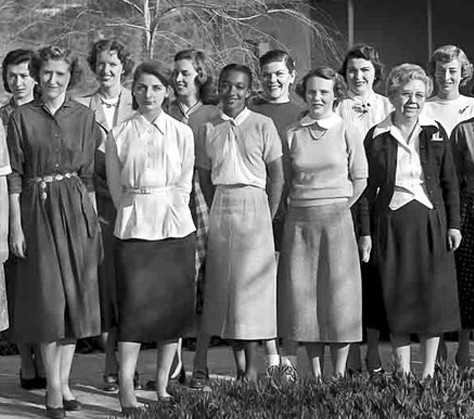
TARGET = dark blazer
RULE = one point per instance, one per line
(438, 169)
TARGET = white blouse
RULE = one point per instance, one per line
(156, 162)
(409, 178)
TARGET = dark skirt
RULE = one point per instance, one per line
(155, 283)
(416, 270)
(465, 263)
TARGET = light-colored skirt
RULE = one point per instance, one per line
(319, 280)
(240, 286)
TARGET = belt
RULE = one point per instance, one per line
(44, 180)
(147, 190)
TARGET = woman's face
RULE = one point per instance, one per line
(276, 81)
(19, 81)
(184, 78)
(360, 76)
(54, 78)
(108, 68)
(234, 90)
(320, 97)
(410, 98)
(149, 93)
(448, 76)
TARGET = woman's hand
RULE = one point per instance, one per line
(365, 247)
(454, 239)
(18, 242)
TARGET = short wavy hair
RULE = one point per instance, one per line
(365, 52)
(327, 73)
(204, 79)
(278, 55)
(448, 53)
(154, 68)
(112, 45)
(56, 53)
(15, 57)
(240, 68)
(404, 73)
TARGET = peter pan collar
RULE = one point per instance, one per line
(325, 123)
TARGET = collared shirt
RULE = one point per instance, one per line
(364, 114)
(156, 163)
(326, 155)
(236, 150)
(449, 113)
(409, 178)
(42, 144)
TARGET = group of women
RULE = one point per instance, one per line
(149, 219)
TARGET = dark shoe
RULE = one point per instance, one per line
(136, 382)
(28, 383)
(150, 385)
(55, 412)
(110, 382)
(72, 405)
(199, 380)
(181, 378)
(40, 382)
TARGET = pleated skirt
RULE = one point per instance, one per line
(155, 284)
(240, 286)
(417, 271)
(319, 280)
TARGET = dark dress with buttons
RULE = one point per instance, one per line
(410, 245)
(56, 295)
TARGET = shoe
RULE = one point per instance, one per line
(462, 362)
(150, 385)
(136, 382)
(110, 382)
(374, 371)
(72, 405)
(29, 383)
(181, 378)
(199, 380)
(272, 371)
(289, 373)
(55, 412)
(166, 401)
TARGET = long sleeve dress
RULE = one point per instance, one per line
(52, 159)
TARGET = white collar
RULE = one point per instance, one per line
(325, 123)
(239, 118)
(387, 124)
(159, 122)
(370, 98)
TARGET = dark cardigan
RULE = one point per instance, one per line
(438, 169)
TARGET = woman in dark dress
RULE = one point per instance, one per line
(412, 197)
(54, 228)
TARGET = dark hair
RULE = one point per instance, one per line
(155, 68)
(15, 57)
(240, 68)
(56, 53)
(448, 53)
(204, 79)
(327, 73)
(365, 52)
(277, 55)
(112, 45)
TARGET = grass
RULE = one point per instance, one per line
(450, 394)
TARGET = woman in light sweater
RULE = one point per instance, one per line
(319, 284)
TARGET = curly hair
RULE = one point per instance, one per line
(57, 53)
(327, 73)
(278, 55)
(204, 80)
(448, 53)
(403, 74)
(365, 52)
(15, 57)
(112, 45)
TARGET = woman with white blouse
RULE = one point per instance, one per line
(150, 163)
